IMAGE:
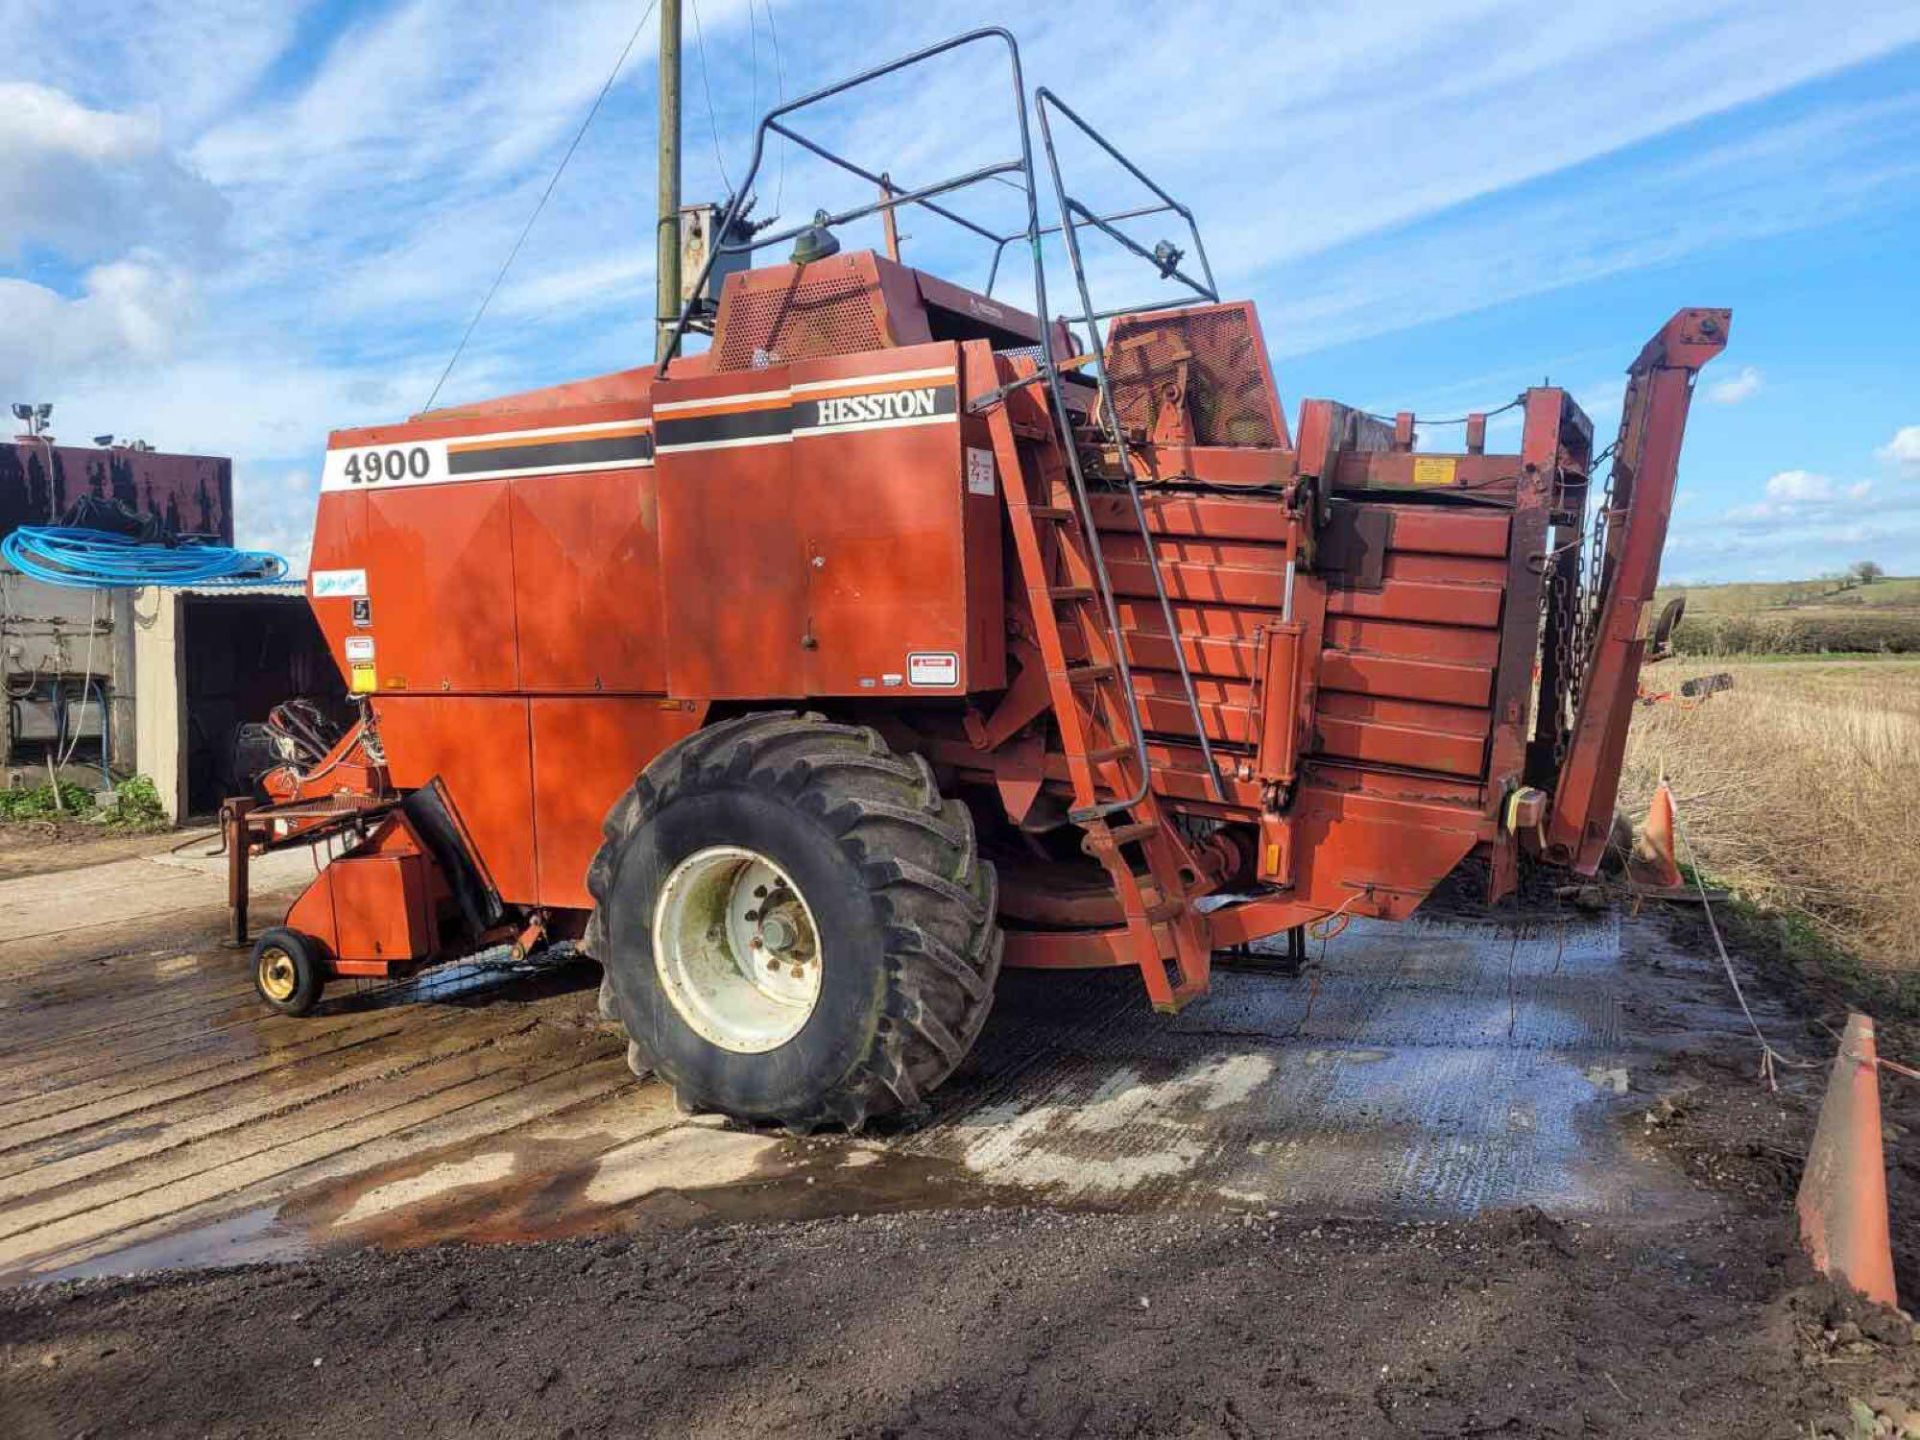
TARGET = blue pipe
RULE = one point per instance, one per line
(96, 560)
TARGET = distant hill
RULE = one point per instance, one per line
(1800, 617)
(1894, 592)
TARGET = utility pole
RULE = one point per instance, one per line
(666, 304)
(887, 221)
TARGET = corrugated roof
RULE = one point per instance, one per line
(278, 587)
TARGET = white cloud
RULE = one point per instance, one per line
(615, 280)
(1805, 523)
(1903, 450)
(1735, 388)
(87, 183)
(191, 62)
(129, 312)
(1799, 486)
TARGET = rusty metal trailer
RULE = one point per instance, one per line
(903, 633)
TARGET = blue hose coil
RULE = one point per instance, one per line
(98, 560)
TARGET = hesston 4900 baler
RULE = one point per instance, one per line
(899, 635)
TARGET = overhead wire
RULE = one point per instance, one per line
(780, 96)
(545, 195)
(706, 87)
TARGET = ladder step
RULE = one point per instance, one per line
(1070, 592)
(1060, 513)
(1100, 754)
(1087, 674)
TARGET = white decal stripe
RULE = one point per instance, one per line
(784, 438)
(577, 468)
(674, 407)
(939, 373)
(637, 422)
(333, 472)
(807, 432)
(670, 407)
(899, 424)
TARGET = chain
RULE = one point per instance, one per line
(1564, 585)
(1579, 628)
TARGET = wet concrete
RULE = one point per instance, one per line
(155, 1117)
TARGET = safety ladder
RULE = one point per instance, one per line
(1068, 595)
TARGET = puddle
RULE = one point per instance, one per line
(434, 1184)
(699, 1159)
(248, 1238)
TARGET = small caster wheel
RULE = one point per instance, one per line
(286, 971)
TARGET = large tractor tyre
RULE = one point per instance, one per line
(795, 926)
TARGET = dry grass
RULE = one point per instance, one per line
(1797, 788)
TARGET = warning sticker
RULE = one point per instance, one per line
(979, 471)
(360, 679)
(933, 667)
(359, 649)
(331, 584)
(1433, 469)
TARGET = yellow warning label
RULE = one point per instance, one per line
(360, 679)
(1433, 469)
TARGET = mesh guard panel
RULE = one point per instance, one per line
(816, 315)
(1229, 397)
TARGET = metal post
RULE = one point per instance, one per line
(233, 818)
(118, 703)
(887, 221)
(666, 304)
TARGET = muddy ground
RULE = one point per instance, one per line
(1461, 1179)
(985, 1323)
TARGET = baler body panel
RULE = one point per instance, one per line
(819, 535)
(587, 751)
(499, 604)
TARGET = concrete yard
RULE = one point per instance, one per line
(155, 1115)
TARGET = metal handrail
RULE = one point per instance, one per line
(1134, 214)
(738, 201)
(1096, 343)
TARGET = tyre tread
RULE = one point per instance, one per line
(942, 941)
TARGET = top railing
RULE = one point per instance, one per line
(1074, 216)
(892, 195)
(1017, 170)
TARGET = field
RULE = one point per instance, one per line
(1796, 790)
(1800, 617)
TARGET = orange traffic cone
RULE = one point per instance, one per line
(1843, 1191)
(1654, 869)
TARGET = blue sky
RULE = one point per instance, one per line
(232, 225)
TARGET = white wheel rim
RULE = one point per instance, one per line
(736, 949)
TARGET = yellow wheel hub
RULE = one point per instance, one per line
(278, 978)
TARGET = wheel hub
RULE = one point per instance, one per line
(277, 975)
(736, 950)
